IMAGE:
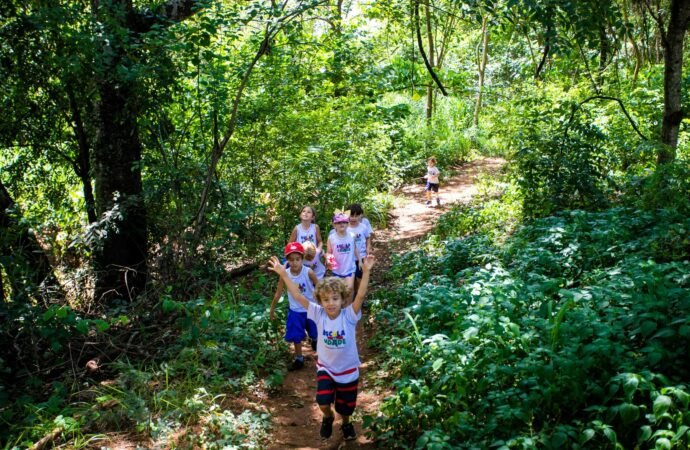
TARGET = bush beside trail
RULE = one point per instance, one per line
(572, 333)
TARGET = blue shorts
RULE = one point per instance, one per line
(431, 187)
(296, 324)
(343, 276)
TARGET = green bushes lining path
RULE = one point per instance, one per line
(573, 333)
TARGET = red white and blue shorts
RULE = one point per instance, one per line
(344, 395)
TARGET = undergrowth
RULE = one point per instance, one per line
(220, 346)
(570, 332)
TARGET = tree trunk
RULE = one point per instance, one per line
(432, 53)
(119, 256)
(482, 69)
(673, 72)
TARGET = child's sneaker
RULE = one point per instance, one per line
(327, 427)
(438, 202)
(428, 202)
(297, 364)
(348, 431)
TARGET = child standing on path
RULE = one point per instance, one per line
(432, 174)
(297, 322)
(307, 229)
(361, 233)
(338, 364)
(341, 245)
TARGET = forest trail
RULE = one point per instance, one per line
(296, 417)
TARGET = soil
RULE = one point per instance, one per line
(296, 417)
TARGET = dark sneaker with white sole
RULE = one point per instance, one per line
(348, 431)
(297, 364)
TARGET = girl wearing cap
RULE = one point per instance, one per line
(341, 245)
(297, 322)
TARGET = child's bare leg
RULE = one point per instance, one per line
(327, 410)
(346, 419)
(298, 349)
(351, 283)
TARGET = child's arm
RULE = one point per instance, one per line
(362, 292)
(329, 247)
(293, 235)
(358, 257)
(275, 265)
(276, 296)
(319, 241)
(312, 276)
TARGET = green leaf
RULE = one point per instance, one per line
(629, 413)
(62, 312)
(82, 326)
(661, 404)
(101, 325)
(610, 435)
(662, 444)
(645, 433)
(587, 435)
(437, 364)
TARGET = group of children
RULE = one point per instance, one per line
(323, 307)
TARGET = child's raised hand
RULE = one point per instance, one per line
(368, 261)
(275, 266)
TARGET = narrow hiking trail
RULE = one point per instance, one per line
(296, 417)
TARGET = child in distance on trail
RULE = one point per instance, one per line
(432, 181)
(338, 363)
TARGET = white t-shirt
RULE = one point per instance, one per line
(432, 174)
(337, 342)
(303, 235)
(366, 222)
(305, 285)
(316, 265)
(361, 233)
(344, 252)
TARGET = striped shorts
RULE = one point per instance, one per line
(343, 395)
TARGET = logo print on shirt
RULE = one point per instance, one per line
(307, 237)
(334, 338)
(302, 288)
(343, 248)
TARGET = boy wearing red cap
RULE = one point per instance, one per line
(297, 322)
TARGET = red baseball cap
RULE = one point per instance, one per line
(294, 247)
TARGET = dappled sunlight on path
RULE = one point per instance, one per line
(296, 417)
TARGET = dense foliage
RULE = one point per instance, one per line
(153, 153)
(572, 333)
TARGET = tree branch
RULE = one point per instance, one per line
(423, 53)
(605, 97)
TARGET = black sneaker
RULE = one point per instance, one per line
(438, 202)
(327, 427)
(297, 364)
(428, 202)
(313, 344)
(348, 431)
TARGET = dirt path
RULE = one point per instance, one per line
(296, 417)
